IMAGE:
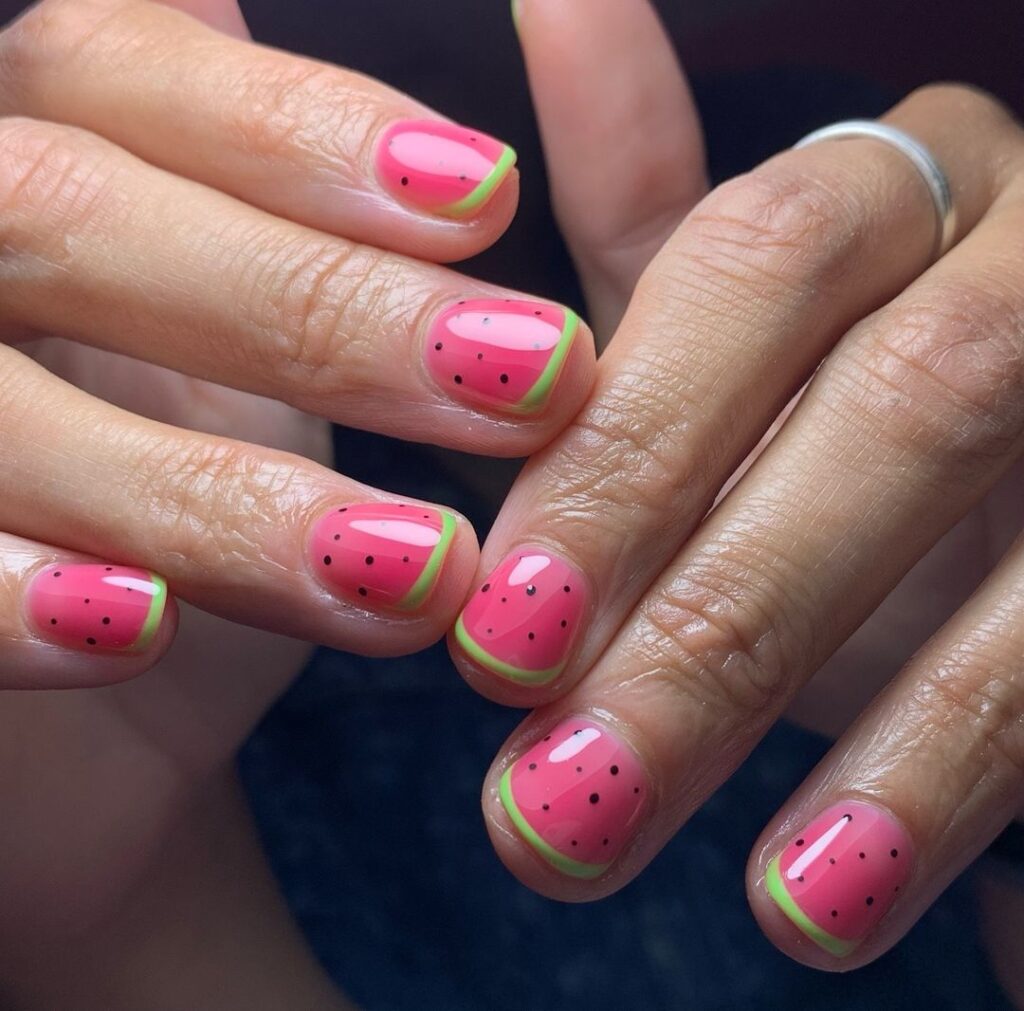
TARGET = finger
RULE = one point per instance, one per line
(105, 249)
(905, 427)
(621, 135)
(909, 796)
(727, 324)
(314, 143)
(255, 535)
(71, 622)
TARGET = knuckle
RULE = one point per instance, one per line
(711, 640)
(949, 364)
(299, 111)
(778, 223)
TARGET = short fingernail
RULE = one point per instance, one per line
(838, 877)
(522, 622)
(501, 353)
(576, 797)
(95, 607)
(440, 167)
(382, 554)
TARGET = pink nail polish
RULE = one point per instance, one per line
(504, 353)
(441, 167)
(96, 607)
(576, 796)
(839, 876)
(384, 554)
(522, 622)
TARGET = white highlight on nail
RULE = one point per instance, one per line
(414, 534)
(132, 583)
(526, 568)
(575, 743)
(805, 860)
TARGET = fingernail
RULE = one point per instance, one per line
(442, 167)
(522, 622)
(503, 353)
(96, 607)
(576, 796)
(839, 876)
(382, 554)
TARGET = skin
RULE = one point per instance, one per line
(706, 627)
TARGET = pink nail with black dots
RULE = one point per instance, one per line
(524, 619)
(840, 875)
(382, 554)
(97, 607)
(500, 353)
(576, 796)
(440, 167)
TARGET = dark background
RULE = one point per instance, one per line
(365, 778)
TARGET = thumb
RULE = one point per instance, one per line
(621, 137)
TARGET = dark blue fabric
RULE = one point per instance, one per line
(365, 778)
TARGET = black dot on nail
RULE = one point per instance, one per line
(567, 589)
(576, 733)
(405, 558)
(545, 807)
(462, 177)
(799, 842)
(337, 537)
(531, 590)
(504, 600)
(564, 623)
(343, 509)
(594, 798)
(536, 312)
(53, 621)
(869, 901)
(369, 559)
(480, 356)
(575, 843)
(91, 641)
(897, 888)
(604, 842)
(327, 559)
(362, 591)
(533, 765)
(862, 855)
(800, 877)
(87, 600)
(438, 346)
(110, 568)
(503, 377)
(848, 817)
(405, 180)
(485, 587)
(56, 574)
(831, 860)
(835, 913)
(531, 636)
(636, 789)
(548, 738)
(614, 770)
(490, 631)
(579, 768)
(894, 853)
(458, 380)
(106, 621)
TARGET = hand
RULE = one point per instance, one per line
(169, 201)
(660, 641)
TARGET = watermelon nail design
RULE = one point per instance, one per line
(576, 796)
(839, 876)
(385, 554)
(522, 622)
(441, 167)
(501, 353)
(97, 607)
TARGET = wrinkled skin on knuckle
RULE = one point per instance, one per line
(945, 374)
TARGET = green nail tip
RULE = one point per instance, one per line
(574, 868)
(483, 190)
(420, 590)
(157, 604)
(780, 894)
(537, 395)
(496, 666)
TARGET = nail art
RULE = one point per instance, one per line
(384, 554)
(441, 167)
(839, 876)
(97, 607)
(522, 622)
(504, 353)
(576, 796)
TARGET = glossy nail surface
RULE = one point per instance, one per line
(94, 607)
(382, 554)
(502, 353)
(442, 168)
(576, 796)
(838, 877)
(522, 622)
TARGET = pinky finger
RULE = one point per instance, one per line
(68, 621)
(909, 796)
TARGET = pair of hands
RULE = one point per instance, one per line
(243, 224)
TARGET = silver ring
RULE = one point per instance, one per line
(920, 157)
